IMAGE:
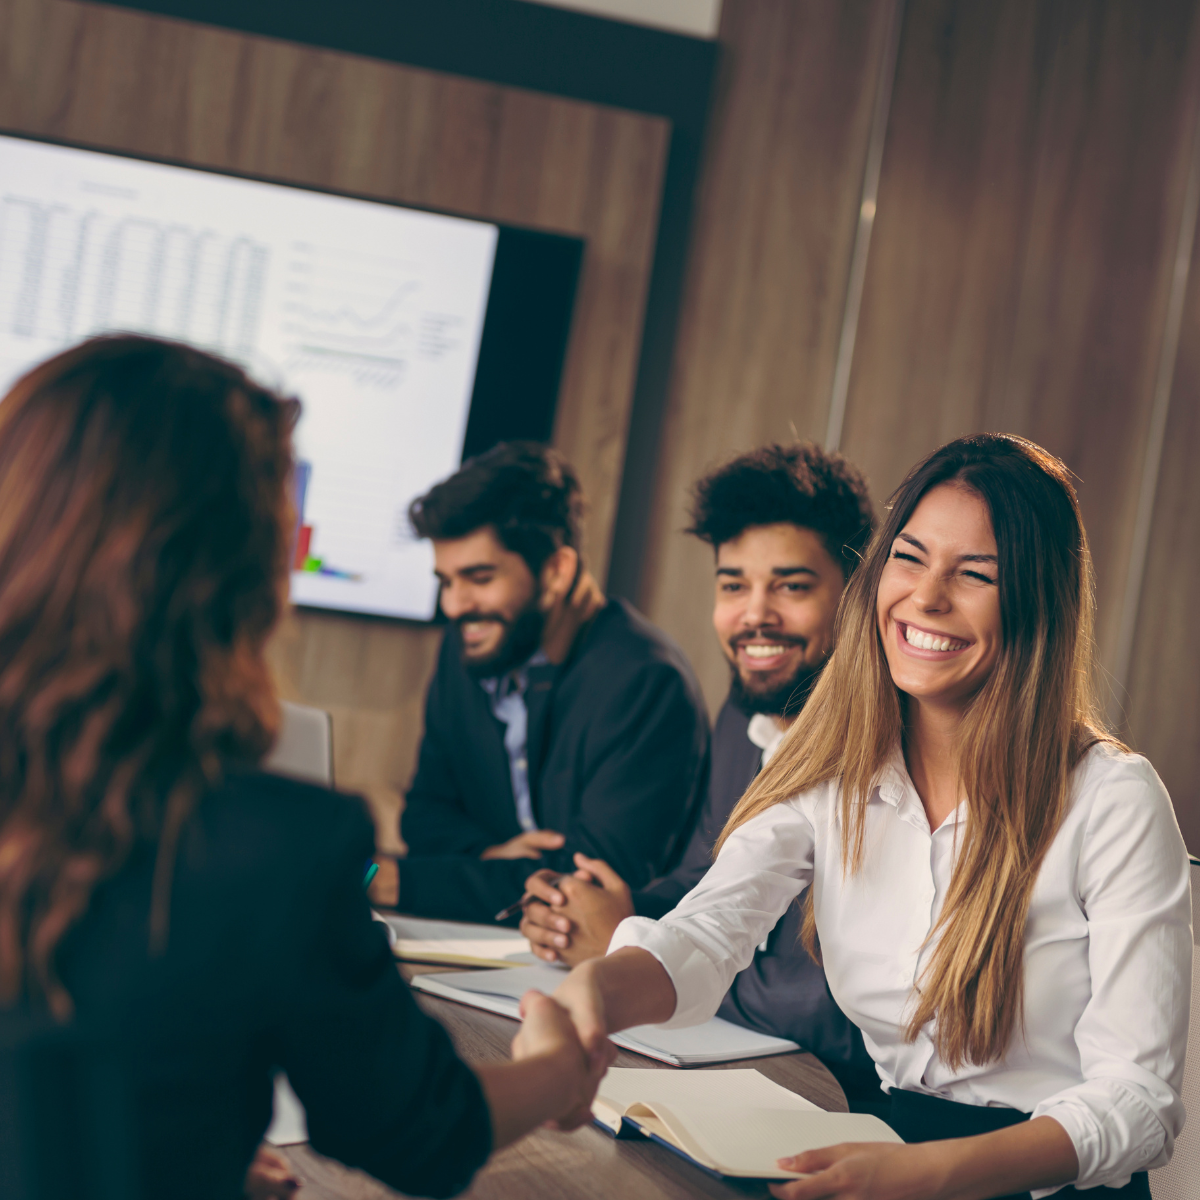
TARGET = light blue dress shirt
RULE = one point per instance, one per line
(506, 696)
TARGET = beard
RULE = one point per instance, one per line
(782, 698)
(521, 636)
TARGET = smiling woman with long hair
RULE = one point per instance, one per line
(1000, 893)
(204, 921)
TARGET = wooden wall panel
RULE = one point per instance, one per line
(149, 85)
(1164, 682)
(763, 303)
(1027, 221)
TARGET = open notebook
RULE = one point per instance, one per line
(500, 991)
(727, 1122)
(454, 943)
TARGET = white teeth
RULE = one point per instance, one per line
(763, 651)
(926, 641)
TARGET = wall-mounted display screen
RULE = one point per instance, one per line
(373, 314)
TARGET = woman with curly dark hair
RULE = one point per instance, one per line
(205, 919)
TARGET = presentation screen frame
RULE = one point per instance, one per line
(525, 331)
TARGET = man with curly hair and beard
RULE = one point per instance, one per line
(787, 525)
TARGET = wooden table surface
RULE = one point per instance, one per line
(584, 1165)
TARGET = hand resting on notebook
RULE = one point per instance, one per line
(974, 1168)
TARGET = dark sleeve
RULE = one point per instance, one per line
(645, 754)
(379, 1080)
(435, 820)
(657, 898)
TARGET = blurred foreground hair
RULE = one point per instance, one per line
(144, 524)
(1021, 737)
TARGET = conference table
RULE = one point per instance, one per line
(584, 1165)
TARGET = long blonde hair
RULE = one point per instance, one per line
(1020, 738)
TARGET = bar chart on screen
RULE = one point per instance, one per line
(371, 313)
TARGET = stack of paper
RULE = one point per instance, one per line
(713, 1042)
(455, 944)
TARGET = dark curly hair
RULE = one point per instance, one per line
(144, 527)
(797, 484)
(525, 491)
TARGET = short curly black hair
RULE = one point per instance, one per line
(798, 484)
(526, 491)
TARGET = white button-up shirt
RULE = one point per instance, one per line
(766, 734)
(1108, 950)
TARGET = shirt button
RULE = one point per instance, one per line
(522, 764)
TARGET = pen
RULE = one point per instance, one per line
(511, 911)
(372, 869)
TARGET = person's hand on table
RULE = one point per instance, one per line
(270, 1177)
(1024, 1157)
(526, 845)
(858, 1171)
(547, 1031)
(574, 917)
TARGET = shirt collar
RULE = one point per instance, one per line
(894, 783)
(516, 680)
(765, 734)
(894, 786)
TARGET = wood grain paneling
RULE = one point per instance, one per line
(763, 305)
(1164, 677)
(1028, 211)
(150, 85)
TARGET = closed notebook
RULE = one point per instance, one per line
(455, 943)
(735, 1123)
(713, 1042)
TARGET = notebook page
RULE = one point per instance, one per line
(716, 1040)
(413, 936)
(505, 1006)
(511, 982)
(737, 1089)
(747, 1141)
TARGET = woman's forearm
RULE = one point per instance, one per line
(635, 989)
(1034, 1154)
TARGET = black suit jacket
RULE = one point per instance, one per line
(617, 751)
(272, 961)
(783, 991)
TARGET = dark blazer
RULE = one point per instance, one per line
(617, 751)
(783, 992)
(272, 961)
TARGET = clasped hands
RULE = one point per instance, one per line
(572, 917)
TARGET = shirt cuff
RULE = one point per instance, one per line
(698, 986)
(1114, 1132)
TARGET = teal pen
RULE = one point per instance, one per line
(372, 869)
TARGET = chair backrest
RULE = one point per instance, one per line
(66, 1118)
(1180, 1178)
(305, 746)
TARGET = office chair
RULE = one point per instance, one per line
(66, 1118)
(305, 746)
(304, 751)
(1180, 1178)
